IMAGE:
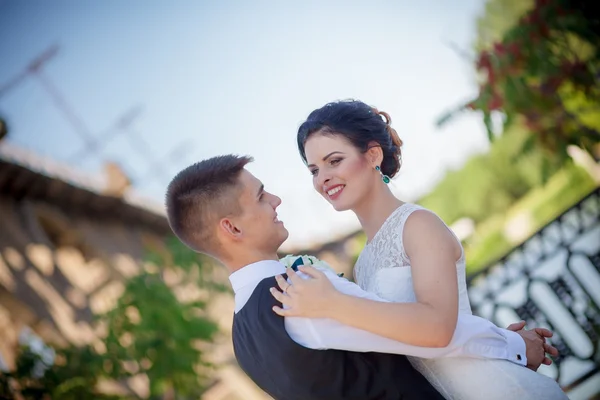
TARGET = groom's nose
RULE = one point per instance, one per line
(276, 201)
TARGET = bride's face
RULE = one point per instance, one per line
(341, 173)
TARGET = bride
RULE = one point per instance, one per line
(411, 258)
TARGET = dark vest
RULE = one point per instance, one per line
(288, 371)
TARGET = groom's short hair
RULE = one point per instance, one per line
(200, 195)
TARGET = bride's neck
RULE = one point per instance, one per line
(375, 209)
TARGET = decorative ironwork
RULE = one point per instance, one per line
(553, 280)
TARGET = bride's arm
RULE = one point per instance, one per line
(430, 322)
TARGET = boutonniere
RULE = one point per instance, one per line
(293, 262)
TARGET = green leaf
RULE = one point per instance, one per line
(528, 144)
(545, 170)
(508, 121)
(513, 92)
(487, 120)
(447, 116)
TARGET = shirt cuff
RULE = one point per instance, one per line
(516, 348)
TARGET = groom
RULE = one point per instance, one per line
(218, 208)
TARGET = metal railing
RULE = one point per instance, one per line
(552, 280)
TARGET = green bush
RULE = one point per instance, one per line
(149, 332)
(544, 204)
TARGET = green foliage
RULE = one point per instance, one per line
(149, 331)
(538, 66)
(192, 264)
(565, 188)
(490, 183)
(543, 69)
(489, 248)
(498, 17)
(72, 377)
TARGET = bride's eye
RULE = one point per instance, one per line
(313, 172)
(336, 161)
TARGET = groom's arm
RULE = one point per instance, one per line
(473, 337)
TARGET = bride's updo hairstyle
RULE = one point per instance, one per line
(361, 125)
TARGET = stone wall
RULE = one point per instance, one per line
(58, 268)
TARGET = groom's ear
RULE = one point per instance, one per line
(230, 229)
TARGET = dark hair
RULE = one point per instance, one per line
(361, 124)
(202, 194)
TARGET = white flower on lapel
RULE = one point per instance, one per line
(313, 261)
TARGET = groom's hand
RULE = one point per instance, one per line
(535, 343)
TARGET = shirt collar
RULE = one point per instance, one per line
(255, 272)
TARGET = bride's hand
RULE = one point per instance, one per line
(310, 297)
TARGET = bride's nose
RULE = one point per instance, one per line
(323, 180)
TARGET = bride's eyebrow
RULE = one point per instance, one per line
(326, 157)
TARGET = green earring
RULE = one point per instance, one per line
(384, 178)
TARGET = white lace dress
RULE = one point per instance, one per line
(383, 268)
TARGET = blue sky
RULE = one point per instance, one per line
(239, 77)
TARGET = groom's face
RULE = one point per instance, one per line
(258, 221)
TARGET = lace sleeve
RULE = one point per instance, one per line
(399, 229)
(386, 250)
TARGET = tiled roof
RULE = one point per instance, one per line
(33, 175)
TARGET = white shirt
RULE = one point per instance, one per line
(473, 337)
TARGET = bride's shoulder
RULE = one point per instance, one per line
(424, 227)
(403, 212)
(413, 216)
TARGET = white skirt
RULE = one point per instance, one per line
(462, 378)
